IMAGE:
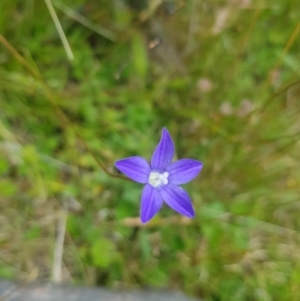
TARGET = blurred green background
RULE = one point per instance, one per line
(222, 76)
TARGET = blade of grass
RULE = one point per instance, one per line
(85, 21)
(59, 247)
(266, 83)
(60, 30)
(286, 49)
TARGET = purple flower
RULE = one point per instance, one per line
(161, 179)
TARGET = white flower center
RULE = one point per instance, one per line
(157, 179)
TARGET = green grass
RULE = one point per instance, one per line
(228, 93)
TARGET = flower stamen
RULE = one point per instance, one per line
(157, 179)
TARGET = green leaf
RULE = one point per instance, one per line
(6, 272)
(32, 233)
(103, 253)
(4, 166)
(7, 188)
(139, 56)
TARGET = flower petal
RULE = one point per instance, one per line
(178, 199)
(150, 204)
(164, 152)
(135, 168)
(183, 171)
